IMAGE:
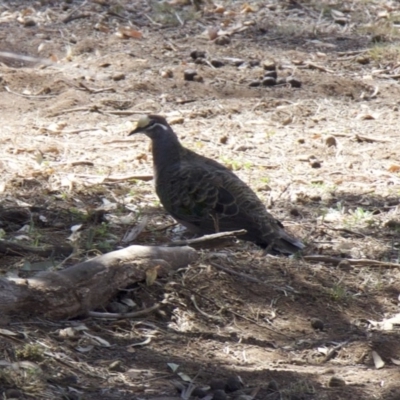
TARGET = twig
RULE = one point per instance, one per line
(332, 353)
(312, 65)
(111, 179)
(69, 110)
(206, 238)
(179, 18)
(14, 56)
(83, 86)
(367, 139)
(70, 17)
(152, 21)
(67, 18)
(230, 271)
(203, 312)
(343, 230)
(128, 112)
(359, 262)
(133, 314)
(30, 96)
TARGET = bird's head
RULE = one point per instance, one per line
(154, 126)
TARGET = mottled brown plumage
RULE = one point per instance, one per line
(205, 196)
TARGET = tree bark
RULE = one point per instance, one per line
(85, 286)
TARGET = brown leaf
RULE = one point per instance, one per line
(151, 275)
(247, 8)
(394, 168)
(219, 10)
(128, 32)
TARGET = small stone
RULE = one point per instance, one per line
(233, 384)
(167, 73)
(198, 78)
(29, 22)
(118, 77)
(281, 81)
(295, 212)
(212, 32)
(271, 74)
(268, 82)
(217, 384)
(392, 224)
(189, 74)
(330, 141)
(219, 395)
(264, 187)
(344, 265)
(117, 308)
(273, 387)
(222, 40)
(378, 38)
(176, 120)
(269, 65)
(301, 140)
(317, 324)
(195, 54)
(242, 147)
(236, 62)
(335, 381)
(254, 63)
(293, 82)
(116, 366)
(315, 164)
(363, 59)
(223, 139)
(217, 63)
(254, 83)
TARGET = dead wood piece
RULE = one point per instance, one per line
(18, 249)
(90, 284)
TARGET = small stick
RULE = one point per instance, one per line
(359, 262)
(206, 238)
(132, 314)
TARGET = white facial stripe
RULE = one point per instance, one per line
(160, 125)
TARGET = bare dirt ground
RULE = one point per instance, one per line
(324, 157)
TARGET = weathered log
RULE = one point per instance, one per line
(85, 286)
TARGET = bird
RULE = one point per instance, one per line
(207, 197)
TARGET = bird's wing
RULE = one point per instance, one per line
(196, 195)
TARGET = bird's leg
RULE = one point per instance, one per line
(216, 222)
(270, 247)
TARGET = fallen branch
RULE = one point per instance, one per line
(77, 290)
(357, 262)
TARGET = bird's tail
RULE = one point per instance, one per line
(285, 244)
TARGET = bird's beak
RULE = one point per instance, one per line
(135, 130)
(140, 125)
